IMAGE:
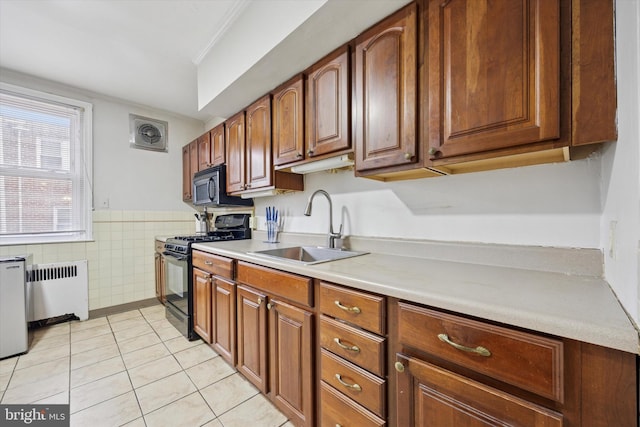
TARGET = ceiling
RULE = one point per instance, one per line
(148, 51)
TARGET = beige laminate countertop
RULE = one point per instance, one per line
(579, 307)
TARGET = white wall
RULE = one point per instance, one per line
(130, 179)
(144, 190)
(546, 205)
(620, 225)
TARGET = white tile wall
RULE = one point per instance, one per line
(121, 256)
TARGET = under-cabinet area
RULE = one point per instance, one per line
(327, 353)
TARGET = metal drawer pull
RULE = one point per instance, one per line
(208, 263)
(353, 386)
(353, 309)
(478, 350)
(353, 348)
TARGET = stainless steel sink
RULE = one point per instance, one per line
(307, 254)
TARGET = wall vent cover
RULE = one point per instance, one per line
(148, 134)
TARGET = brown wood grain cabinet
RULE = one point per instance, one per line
(202, 304)
(288, 121)
(292, 358)
(159, 270)
(494, 75)
(452, 370)
(189, 167)
(252, 337)
(214, 318)
(352, 360)
(386, 86)
(259, 167)
(249, 153)
(217, 152)
(446, 87)
(235, 152)
(328, 105)
(204, 151)
(276, 339)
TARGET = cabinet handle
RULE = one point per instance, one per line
(478, 350)
(433, 151)
(353, 348)
(310, 152)
(408, 156)
(353, 309)
(299, 155)
(353, 386)
(208, 263)
(270, 306)
(399, 367)
(259, 301)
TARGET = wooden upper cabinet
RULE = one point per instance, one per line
(493, 75)
(189, 167)
(258, 149)
(217, 145)
(235, 153)
(386, 92)
(288, 122)
(328, 104)
(204, 151)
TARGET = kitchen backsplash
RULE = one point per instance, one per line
(121, 256)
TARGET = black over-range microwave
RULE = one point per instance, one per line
(210, 189)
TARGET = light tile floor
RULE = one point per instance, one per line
(133, 369)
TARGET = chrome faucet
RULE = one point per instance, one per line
(332, 236)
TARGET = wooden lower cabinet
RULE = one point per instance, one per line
(202, 304)
(451, 370)
(223, 328)
(159, 269)
(337, 411)
(252, 336)
(292, 360)
(429, 396)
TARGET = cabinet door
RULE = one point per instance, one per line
(258, 149)
(288, 122)
(224, 319)
(494, 76)
(328, 105)
(159, 265)
(204, 151)
(187, 172)
(217, 145)
(430, 396)
(202, 304)
(291, 352)
(386, 92)
(252, 336)
(235, 150)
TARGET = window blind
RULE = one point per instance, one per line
(45, 167)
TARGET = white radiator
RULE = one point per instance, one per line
(58, 289)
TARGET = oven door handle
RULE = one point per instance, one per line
(177, 257)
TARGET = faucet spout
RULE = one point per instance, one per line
(331, 236)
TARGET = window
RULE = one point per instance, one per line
(45, 167)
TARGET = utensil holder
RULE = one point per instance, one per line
(272, 232)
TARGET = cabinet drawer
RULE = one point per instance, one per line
(213, 264)
(528, 361)
(290, 286)
(337, 409)
(443, 398)
(362, 348)
(361, 309)
(159, 246)
(360, 385)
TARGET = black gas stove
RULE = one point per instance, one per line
(227, 227)
(178, 265)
